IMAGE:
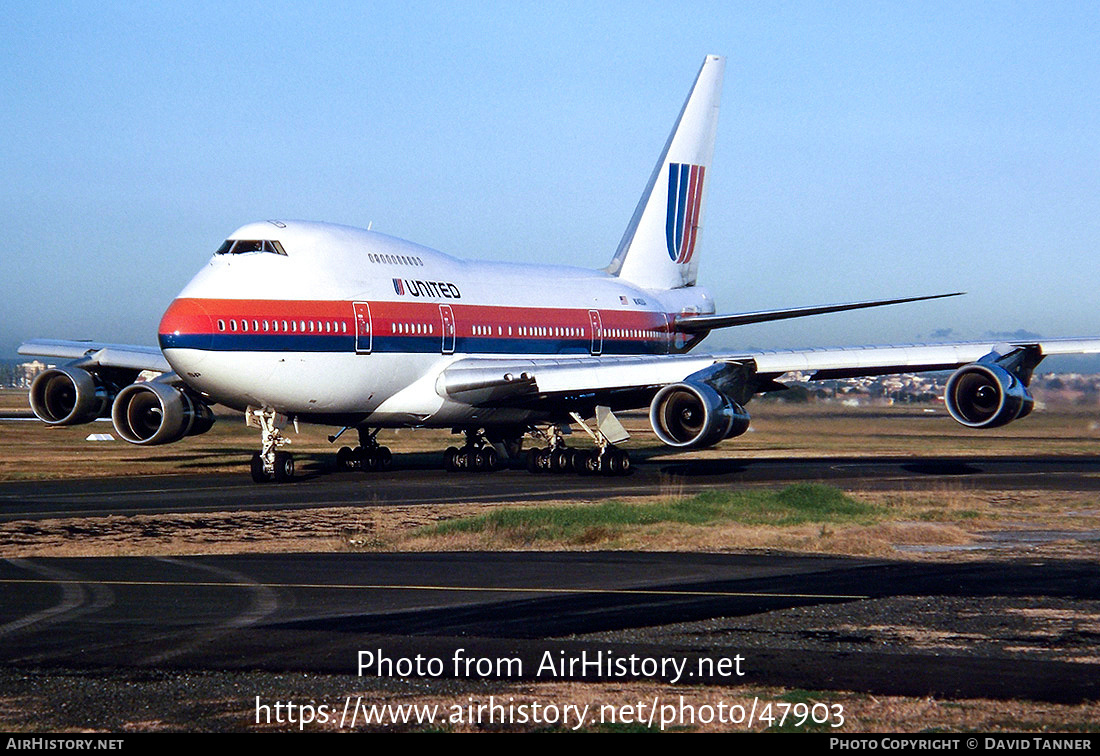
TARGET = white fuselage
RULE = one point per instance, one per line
(348, 326)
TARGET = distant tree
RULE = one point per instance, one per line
(795, 395)
(9, 374)
(1089, 397)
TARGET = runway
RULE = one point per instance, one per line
(413, 481)
(313, 613)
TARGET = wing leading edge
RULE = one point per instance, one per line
(93, 353)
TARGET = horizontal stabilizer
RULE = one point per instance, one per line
(703, 323)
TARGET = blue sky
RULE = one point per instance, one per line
(865, 150)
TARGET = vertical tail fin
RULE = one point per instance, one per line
(657, 250)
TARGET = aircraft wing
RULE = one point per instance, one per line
(705, 323)
(851, 362)
(495, 383)
(93, 353)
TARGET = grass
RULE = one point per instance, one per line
(580, 523)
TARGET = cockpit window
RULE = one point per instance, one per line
(243, 246)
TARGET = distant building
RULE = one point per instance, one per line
(28, 371)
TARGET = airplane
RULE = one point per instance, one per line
(294, 321)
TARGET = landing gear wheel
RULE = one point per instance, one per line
(580, 462)
(370, 459)
(450, 459)
(345, 458)
(532, 460)
(284, 467)
(259, 475)
(559, 460)
(620, 463)
(592, 462)
(485, 459)
(385, 458)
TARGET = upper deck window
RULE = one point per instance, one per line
(243, 246)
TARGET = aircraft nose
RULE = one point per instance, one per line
(186, 325)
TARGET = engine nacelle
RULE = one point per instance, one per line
(695, 415)
(986, 396)
(69, 396)
(155, 413)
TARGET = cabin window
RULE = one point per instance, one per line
(221, 325)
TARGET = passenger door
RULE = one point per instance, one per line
(364, 338)
(447, 316)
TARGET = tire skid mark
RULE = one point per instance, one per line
(262, 604)
(79, 596)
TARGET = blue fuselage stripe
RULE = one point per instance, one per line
(269, 342)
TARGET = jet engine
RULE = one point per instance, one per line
(69, 396)
(695, 415)
(156, 413)
(986, 396)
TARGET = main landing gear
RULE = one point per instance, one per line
(610, 460)
(269, 462)
(369, 456)
(480, 454)
(476, 455)
(556, 457)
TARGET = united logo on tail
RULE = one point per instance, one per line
(685, 195)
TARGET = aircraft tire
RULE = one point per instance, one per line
(620, 463)
(385, 458)
(560, 460)
(579, 462)
(450, 459)
(344, 458)
(259, 475)
(284, 467)
(533, 460)
(370, 460)
(485, 459)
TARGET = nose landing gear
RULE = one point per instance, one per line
(270, 463)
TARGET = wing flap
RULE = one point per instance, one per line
(488, 381)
